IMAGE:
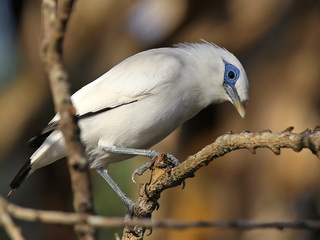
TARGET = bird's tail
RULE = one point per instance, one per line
(20, 177)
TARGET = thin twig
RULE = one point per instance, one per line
(165, 176)
(55, 15)
(6, 221)
(63, 218)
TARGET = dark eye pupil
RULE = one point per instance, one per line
(231, 75)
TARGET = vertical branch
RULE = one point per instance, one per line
(55, 16)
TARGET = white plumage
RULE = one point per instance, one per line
(149, 95)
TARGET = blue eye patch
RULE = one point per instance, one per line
(231, 73)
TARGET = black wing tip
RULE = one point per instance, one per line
(19, 178)
(37, 140)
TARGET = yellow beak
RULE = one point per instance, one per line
(235, 100)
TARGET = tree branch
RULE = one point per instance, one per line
(55, 15)
(5, 219)
(164, 175)
(56, 217)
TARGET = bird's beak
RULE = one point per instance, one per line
(232, 92)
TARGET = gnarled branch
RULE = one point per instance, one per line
(165, 176)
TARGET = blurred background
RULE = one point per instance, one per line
(278, 42)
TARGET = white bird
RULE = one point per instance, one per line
(139, 102)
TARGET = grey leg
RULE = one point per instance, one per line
(152, 154)
(127, 201)
(132, 151)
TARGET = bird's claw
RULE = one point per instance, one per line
(139, 171)
(150, 231)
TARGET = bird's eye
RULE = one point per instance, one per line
(231, 74)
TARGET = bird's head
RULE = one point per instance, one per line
(232, 80)
(235, 84)
(221, 75)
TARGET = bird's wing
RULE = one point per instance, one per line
(133, 79)
(38, 139)
(130, 81)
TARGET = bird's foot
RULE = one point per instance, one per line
(153, 154)
(140, 170)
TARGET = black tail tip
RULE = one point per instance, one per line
(20, 177)
(12, 190)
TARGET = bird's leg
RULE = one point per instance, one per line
(127, 201)
(152, 154)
